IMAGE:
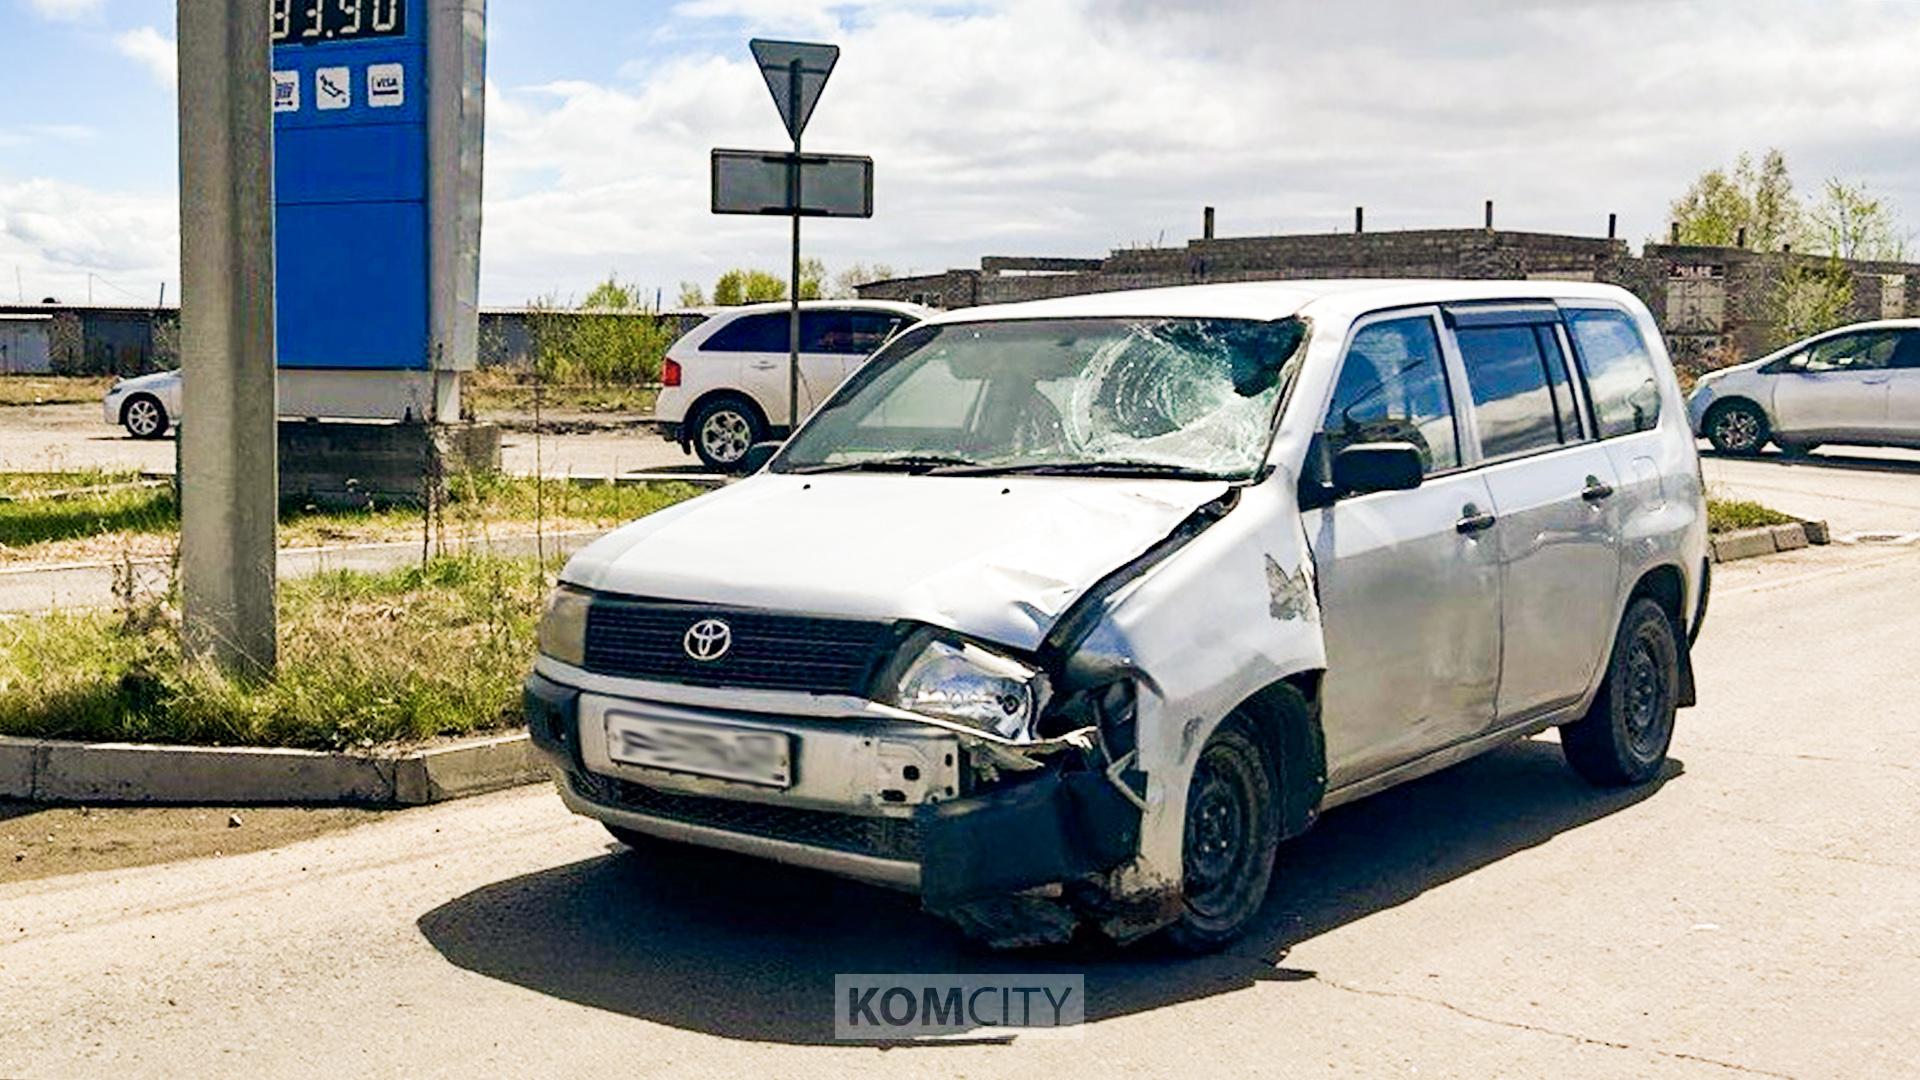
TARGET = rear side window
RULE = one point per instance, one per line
(871, 329)
(750, 333)
(1520, 394)
(1621, 378)
(1393, 388)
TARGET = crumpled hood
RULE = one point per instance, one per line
(995, 557)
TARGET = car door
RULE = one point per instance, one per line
(1837, 386)
(1409, 580)
(1903, 391)
(1554, 494)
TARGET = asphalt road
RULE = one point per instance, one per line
(1854, 490)
(1757, 912)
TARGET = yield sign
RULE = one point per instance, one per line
(796, 73)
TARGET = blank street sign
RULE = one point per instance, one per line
(777, 64)
(759, 182)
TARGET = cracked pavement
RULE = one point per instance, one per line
(1758, 912)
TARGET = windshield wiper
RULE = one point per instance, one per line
(1083, 468)
(907, 463)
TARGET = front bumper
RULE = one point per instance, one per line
(880, 803)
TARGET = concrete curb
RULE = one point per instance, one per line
(1753, 543)
(52, 771)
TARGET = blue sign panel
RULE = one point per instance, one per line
(350, 138)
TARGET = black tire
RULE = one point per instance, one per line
(723, 430)
(1232, 838)
(1738, 427)
(1795, 449)
(1624, 737)
(144, 417)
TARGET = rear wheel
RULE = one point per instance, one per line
(1738, 427)
(1624, 737)
(144, 417)
(1232, 836)
(724, 430)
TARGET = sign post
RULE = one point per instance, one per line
(796, 73)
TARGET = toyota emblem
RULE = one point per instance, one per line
(708, 640)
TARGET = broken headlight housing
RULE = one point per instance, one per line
(563, 629)
(970, 685)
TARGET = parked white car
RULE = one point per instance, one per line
(724, 385)
(1073, 611)
(146, 406)
(1858, 385)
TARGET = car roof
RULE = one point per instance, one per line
(1280, 299)
(735, 311)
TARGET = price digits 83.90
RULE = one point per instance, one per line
(308, 22)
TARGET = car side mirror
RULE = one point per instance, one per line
(758, 455)
(1381, 466)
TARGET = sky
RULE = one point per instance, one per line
(1014, 127)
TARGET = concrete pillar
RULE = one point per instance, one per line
(1359, 219)
(1206, 224)
(229, 500)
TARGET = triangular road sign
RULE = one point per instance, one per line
(796, 72)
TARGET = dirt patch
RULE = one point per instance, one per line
(41, 842)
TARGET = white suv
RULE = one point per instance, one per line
(1075, 610)
(724, 384)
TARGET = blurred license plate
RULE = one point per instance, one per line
(749, 755)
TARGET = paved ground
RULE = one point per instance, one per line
(1757, 913)
(56, 437)
(1853, 490)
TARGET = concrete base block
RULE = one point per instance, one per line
(353, 463)
(1744, 544)
(1817, 532)
(1789, 537)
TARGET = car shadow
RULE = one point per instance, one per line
(1824, 459)
(745, 949)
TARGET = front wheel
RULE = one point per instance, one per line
(144, 417)
(723, 432)
(1624, 737)
(1232, 837)
(1738, 427)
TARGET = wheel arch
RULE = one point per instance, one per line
(1666, 585)
(1286, 716)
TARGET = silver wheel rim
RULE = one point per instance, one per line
(1737, 429)
(143, 417)
(726, 436)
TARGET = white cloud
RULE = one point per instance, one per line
(152, 50)
(1074, 126)
(58, 233)
(66, 10)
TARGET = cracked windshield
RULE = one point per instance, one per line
(1174, 396)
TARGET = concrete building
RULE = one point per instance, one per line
(1716, 304)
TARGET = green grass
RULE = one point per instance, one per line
(497, 392)
(1728, 515)
(121, 517)
(53, 389)
(365, 660)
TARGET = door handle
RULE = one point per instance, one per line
(1597, 490)
(764, 365)
(1473, 520)
(1877, 380)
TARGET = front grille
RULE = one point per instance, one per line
(884, 838)
(647, 640)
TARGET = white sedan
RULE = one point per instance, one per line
(146, 406)
(1859, 385)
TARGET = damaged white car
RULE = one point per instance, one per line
(1070, 613)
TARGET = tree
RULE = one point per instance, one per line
(746, 286)
(692, 295)
(846, 283)
(1850, 223)
(612, 295)
(1810, 298)
(1758, 200)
